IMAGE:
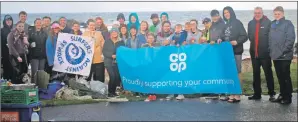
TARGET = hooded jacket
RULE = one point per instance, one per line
(137, 23)
(109, 49)
(234, 30)
(4, 33)
(16, 44)
(281, 39)
(39, 38)
(51, 49)
(263, 37)
(216, 30)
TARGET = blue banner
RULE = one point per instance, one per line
(197, 68)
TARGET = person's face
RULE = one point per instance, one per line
(154, 20)
(8, 22)
(91, 26)
(123, 30)
(215, 18)
(166, 27)
(227, 14)
(62, 22)
(258, 14)
(56, 30)
(144, 26)
(150, 39)
(114, 34)
(133, 32)
(20, 27)
(38, 24)
(178, 29)
(76, 27)
(278, 15)
(187, 27)
(164, 18)
(98, 22)
(133, 19)
(23, 18)
(207, 25)
(46, 22)
(121, 21)
(193, 25)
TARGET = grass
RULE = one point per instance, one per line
(247, 89)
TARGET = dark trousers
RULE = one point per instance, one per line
(114, 78)
(282, 68)
(266, 65)
(19, 69)
(98, 72)
(7, 68)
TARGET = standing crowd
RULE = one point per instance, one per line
(270, 40)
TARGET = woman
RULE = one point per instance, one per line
(109, 52)
(123, 33)
(51, 45)
(7, 26)
(144, 30)
(76, 29)
(281, 42)
(101, 26)
(97, 67)
(133, 20)
(235, 33)
(18, 49)
(133, 42)
(166, 32)
(194, 35)
(37, 50)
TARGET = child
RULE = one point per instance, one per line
(76, 29)
(179, 37)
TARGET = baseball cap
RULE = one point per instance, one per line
(214, 13)
(55, 25)
(154, 16)
(206, 20)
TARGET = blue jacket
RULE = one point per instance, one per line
(137, 23)
(141, 39)
(179, 38)
(51, 49)
(129, 40)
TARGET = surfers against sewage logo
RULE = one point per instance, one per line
(73, 54)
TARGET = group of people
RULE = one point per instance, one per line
(270, 40)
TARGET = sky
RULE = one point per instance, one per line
(75, 7)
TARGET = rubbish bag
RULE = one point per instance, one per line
(42, 79)
(98, 86)
(66, 93)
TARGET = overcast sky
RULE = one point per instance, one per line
(74, 7)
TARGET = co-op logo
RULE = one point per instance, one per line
(178, 62)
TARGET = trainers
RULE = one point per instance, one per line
(170, 96)
(180, 97)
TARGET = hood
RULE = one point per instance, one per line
(135, 15)
(232, 13)
(4, 23)
(164, 13)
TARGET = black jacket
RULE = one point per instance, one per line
(4, 33)
(109, 49)
(234, 30)
(263, 45)
(216, 29)
(39, 38)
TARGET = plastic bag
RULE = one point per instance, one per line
(99, 87)
(82, 80)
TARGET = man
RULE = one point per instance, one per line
(23, 18)
(281, 42)
(155, 22)
(258, 30)
(63, 27)
(217, 26)
(46, 22)
(121, 18)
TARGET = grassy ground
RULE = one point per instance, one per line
(247, 88)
